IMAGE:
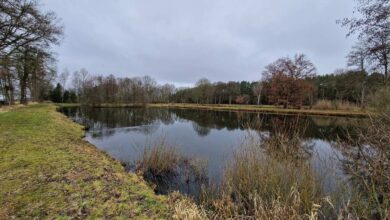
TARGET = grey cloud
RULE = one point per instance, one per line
(182, 41)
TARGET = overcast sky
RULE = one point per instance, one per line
(180, 41)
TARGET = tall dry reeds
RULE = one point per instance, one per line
(270, 177)
(260, 186)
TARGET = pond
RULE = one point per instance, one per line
(211, 136)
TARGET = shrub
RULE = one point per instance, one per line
(346, 106)
(367, 161)
(323, 104)
(336, 105)
(380, 100)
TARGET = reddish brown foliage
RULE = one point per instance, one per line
(286, 82)
(242, 99)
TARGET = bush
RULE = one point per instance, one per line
(346, 106)
(323, 105)
(380, 100)
(367, 161)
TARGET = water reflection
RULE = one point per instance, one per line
(148, 120)
(213, 136)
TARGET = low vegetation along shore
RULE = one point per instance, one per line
(346, 112)
(48, 171)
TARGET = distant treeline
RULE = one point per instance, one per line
(275, 89)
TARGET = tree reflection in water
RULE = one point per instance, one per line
(203, 132)
(98, 119)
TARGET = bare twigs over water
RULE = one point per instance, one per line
(367, 161)
(285, 140)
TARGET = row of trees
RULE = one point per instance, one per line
(289, 82)
(26, 62)
(27, 68)
(96, 89)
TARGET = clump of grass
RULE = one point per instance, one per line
(346, 106)
(323, 104)
(158, 159)
(162, 165)
(184, 208)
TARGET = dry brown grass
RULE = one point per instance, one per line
(259, 186)
(158, 158)
(336, 105)
(183, 208)
(323, 105)
(346, 106)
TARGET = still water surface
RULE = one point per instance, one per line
(211, 136)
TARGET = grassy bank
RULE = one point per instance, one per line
(248, 108)
(264, 109)
(48, 171)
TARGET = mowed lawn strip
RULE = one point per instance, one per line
(48, 171)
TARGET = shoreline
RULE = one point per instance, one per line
(240, 108)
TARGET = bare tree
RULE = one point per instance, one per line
(257, 89)
(26, 34)
(298, 67)
(63, 78)
(22, 24)
(373, 28)
(358, 56)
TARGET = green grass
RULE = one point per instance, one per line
(48, 171)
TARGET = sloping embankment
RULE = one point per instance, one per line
(48, 171)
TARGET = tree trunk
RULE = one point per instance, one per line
(362, 98)
(23, 82)
(386, 72)
(23, 89)
(258, 99)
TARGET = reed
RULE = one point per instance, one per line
(260, 186)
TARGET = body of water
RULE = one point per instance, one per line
(211, 136)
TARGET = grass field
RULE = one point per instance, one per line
(48, 171)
